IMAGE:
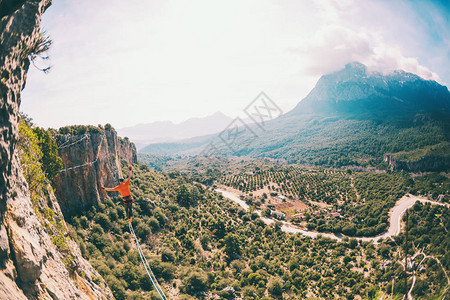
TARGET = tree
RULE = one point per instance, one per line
(266, 212)
(219, 229)
(183, 195)
(30, 158)
(349, 230)
(231, 245)
(353, 243)
(116, 287)
(51, 161)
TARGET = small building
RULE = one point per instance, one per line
(278, 215)
(299, 216)
(336, 215)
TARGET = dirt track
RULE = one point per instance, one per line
(395, 214)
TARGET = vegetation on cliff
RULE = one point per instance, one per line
(39, 157)
(80, 129)
(40, 162)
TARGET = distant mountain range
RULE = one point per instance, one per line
(351, 117)
(167, 131)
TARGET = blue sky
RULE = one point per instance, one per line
(131, 62)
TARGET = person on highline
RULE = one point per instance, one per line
(124, 189)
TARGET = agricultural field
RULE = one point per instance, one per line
(354, 203)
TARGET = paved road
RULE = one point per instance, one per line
(396, 214)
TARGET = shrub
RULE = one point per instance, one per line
(167, 255)
(249, 292)
(275, 287)
(103, 220)
(30, 158)
(194, 282)
(153, 223)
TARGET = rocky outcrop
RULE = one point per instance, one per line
(425, 164)
(31, 265)
(91, 160)
(45, 263)
(127, 150)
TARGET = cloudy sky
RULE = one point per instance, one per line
(131, 62)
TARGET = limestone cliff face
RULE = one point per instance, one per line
(127, 150)
(91, 160)
(424, 164)
(31, 265)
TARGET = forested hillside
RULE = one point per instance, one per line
(200, 244)
(351, 117)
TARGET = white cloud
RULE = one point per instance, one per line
(386, 59)
(333, 46)
(340, 41)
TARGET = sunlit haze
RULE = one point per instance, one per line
(131, 62)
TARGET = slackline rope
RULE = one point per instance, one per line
(86, 164)
(147, 267)
(65, 146)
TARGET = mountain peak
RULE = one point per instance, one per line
(355, 90)
(356, 68)
(351, 71)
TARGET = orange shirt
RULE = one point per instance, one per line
(123, 189)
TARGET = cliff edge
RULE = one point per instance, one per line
(92, 158)
(32, 263)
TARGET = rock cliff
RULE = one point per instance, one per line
(127, 150)
(430, 158)
(91, 160)
(425, 164)
(31, 261)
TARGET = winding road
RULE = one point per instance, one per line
(395, 214)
